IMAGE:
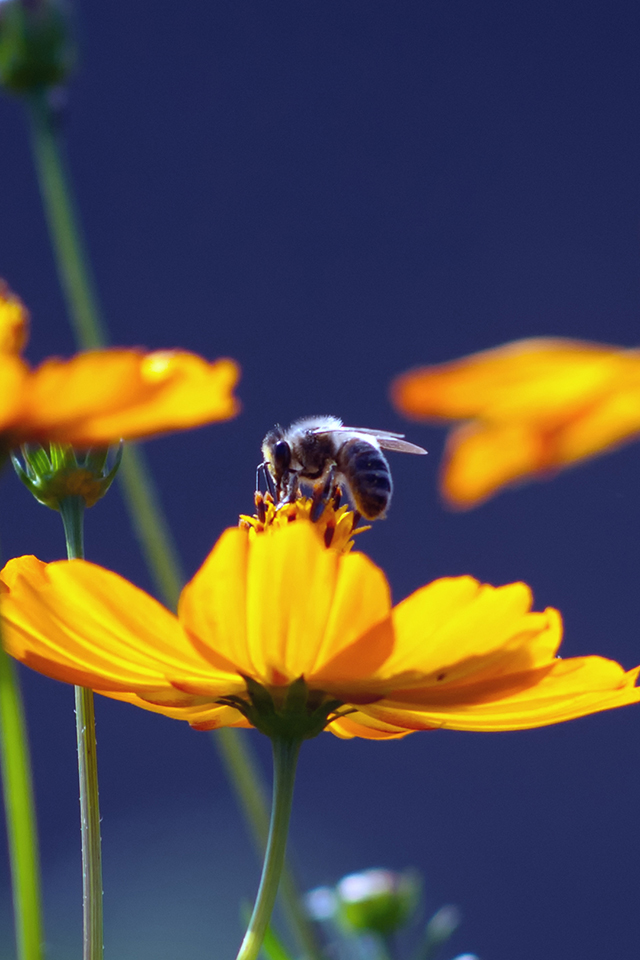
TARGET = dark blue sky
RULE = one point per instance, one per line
(332, 192)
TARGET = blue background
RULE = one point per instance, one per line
(332, 192)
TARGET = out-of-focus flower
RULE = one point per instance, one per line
(531, 407)
(279, 632)
(101, 396)
(378, 901)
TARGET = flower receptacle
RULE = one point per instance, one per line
(51, 477)
(298, 714)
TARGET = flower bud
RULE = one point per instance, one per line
(36, 51)
(378, 901)
(54, 476)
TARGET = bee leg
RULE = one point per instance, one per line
(322, 494)
(288, 489)
(357, 517)
(336, 496)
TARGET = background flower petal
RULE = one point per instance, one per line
(481, 457)
(101, 396)
(532, 379)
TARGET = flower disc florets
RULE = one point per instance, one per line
(336, 526)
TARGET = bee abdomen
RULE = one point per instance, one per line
(367, 472)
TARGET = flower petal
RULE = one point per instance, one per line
(102, 396)
(199, 716)
(534, 405)
(14, 322)
(566, 690)
(456, 629)
(368, 728)
(82, 624)
(482, 457)
(283, 606)
(533, 380)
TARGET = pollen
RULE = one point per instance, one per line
(336, 526)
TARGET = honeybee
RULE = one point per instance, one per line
(322, 449)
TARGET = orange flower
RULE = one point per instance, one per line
(533, 407)
(102, 396)
(274, 609)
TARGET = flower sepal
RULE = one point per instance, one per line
(299, 714)
(53, 476)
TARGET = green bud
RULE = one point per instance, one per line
(36, 50)
(52, 477)
(378, 901)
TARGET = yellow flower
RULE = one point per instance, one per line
(101, 396)
(277, 609)
(531, 407)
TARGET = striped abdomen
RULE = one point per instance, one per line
(368, 477)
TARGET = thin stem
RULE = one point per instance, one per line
(244, 773)
(72, 512)
(73, 265)
(20, 815)
(285, 757)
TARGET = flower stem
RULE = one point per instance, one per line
(72, 512)
(243, 771)
(138, 488)
(285, 757)
(20, 815)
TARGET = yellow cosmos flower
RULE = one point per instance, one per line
(279, 619)
(101, 396)
(531, 406)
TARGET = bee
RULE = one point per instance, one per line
(322, 449)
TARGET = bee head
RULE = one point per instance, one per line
(277, 452)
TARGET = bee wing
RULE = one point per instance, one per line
(386, 439)
(378, 434)
(400, 446)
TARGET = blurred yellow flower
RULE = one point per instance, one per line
(531, 406)
(275, 608)
(101, 396)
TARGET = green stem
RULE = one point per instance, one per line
(285, 757)
(138, 488)
(73, 265)
(20, 815)
(72, 512)
(243, 771)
